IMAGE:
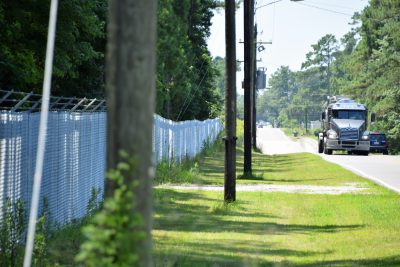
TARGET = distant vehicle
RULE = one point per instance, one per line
(378, 143)
(260, 126)
(344, 125)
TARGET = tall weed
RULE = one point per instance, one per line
(187, 171)
(12, 227)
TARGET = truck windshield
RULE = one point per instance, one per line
(349, 114)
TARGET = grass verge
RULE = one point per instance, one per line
(195, 228)
(299, 169)
(276, 229)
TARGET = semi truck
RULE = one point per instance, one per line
(344, 127)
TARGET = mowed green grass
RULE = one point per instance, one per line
(195, 228)
(295, 169)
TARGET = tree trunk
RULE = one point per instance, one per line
(130, 83)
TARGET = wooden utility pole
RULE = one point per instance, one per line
(248, 90)
(306, 120)
(230, 103)
(130, 83)
(254, 71)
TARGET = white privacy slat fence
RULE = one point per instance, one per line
(75, 155)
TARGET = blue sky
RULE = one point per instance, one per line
(292, 27)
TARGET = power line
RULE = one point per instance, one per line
(325, 9)
(195, 90)
(332, 5)
(271, 3)
(188, 95)
(273, 24)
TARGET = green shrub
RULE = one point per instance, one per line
(40, 245)
(94, 204)
(12, 227)
(113, 236)
(64, 244)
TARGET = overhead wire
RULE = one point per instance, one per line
(192, 95)
(258, 7)
(332, 5)
(273, 23)
(188, 95)
(325, 9)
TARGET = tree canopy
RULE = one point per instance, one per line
(79, 49)
(186, 85)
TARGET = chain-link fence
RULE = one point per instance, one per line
(178, 140)
(74, 159)
(75, 149)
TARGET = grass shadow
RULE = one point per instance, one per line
(226, 253)
(176, 213)
(383, 261)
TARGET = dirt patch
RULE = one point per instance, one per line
(350, 188)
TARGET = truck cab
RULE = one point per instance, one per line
(344, 127)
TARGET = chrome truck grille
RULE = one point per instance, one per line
(349, 134)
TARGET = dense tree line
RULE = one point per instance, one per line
(79, 49)
(186, 74)
(364, 65)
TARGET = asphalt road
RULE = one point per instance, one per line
(273, 141)
(383, 169)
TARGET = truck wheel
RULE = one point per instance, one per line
(349, 152)
(365, 153)
(327, 151)
(320, 146)
(385, 152)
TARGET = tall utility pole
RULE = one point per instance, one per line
(254, 70)
(130, 72)
(230, 103)
(306, 119)
(248, 90)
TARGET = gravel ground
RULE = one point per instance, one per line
(302, 189)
